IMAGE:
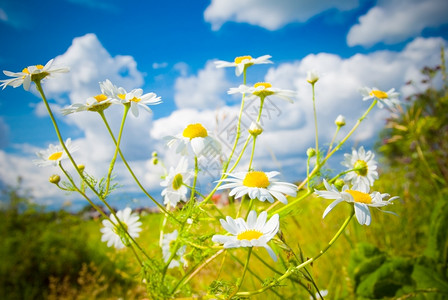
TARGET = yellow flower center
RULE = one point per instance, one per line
(135, 99)
(177, 182)
(249, 235)
(264, 84)
(100, 97)
(263, 92)
(240, 59)
(39, 67)
(195, 130)
(360, 196)
(55, 156)
(379, 94)
(361, 168)
(122, 96)
(256, 179)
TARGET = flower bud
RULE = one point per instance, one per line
(312, 77)
(54, 179)
(311, 152)
(154, 160)
(255, 129)
(339, 183)
(154, 154)
(340, 121)
(81, 168)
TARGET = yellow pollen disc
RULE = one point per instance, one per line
(361, 167)
(195, 130)
(265, 84)
(121, 96)
(249, 235)
(360, 196)
(55, 156)
(100, 97)
(177, 181)
(239, 59)
(25, 70)
(256, 179)
(379, 94)
(135, 99)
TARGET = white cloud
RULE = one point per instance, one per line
(202, 91)
(394, 21)
(269, 14)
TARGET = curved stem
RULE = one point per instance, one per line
(240, 281)
(195, 178)
(315, 123)
(160, 206)
(290, 271)
(117, 148)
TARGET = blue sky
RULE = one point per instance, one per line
(168, 47)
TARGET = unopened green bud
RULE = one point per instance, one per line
(311, 152)
(154, 160)
(81, 167)
(154, 154)
(339, 183)
(340, 121)
(54, 179)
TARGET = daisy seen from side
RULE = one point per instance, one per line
(242, 62)
(31, 73)
(361, 198)
(194, 139)
(364, 168)
(263, 90)
(174, 183)
(258, 185)
(390, 98)
(254, 232)
(114, 234)
(54, 154)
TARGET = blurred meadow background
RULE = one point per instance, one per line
(50, 242)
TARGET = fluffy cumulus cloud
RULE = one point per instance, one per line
(393, 21)
(203, 90)
(271, 15)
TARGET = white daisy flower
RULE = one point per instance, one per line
(174, 183)
(360, 197)
(255, 232)
(242, 62)
(166, 250)
(390, 98)
(262, 90)
(31, 73)
(364, 168)
(54, 154)
(112, 231)
(96, 103)
(194, 139)
(135, 97)
(258, 185)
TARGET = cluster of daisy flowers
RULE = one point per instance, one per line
(179, 183)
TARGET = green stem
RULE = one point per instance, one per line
(291, 271)
(117, 148)
(160, 206)
(240, 281)
(315, 123)
(195, 178)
